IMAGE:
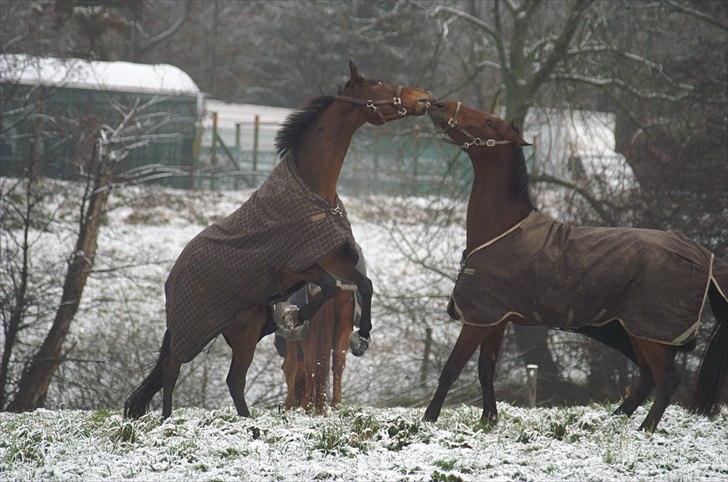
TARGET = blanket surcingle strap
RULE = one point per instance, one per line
(546, 272)
(235, 263)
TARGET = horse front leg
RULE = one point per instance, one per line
(469, 339)
(359, 340)
(489, 349)
(340, 265)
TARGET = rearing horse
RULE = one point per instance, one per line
(293, 230)
(641, 291)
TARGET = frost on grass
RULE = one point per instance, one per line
(362, 443)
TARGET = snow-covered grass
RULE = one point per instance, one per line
(363, 443)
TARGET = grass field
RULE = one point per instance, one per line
(363, 443)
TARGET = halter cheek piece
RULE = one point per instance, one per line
(472, 140)
(373, 105)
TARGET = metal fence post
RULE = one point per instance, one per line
(531, 383)
(256, 132)
(213, 158)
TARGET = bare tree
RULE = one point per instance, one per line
(99, 149)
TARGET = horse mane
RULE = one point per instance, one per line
(292, 129)
(519, 177)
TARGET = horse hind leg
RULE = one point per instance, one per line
(169, 380)
(712, 386)
(343, 328)
(642, 390)
(242, 336)
(660, 359)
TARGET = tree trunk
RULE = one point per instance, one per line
(426, 356)
(33, 385)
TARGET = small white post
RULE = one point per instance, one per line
(531, 383)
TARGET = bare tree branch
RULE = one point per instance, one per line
(162, 36)
(597, 204)
(602, 82)
(697, 14)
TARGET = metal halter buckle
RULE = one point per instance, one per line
(370, 105)
(490, 142)
(337, 210)
(397, 100)
(452, 122)
(402, 111)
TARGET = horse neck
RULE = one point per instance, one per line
(492, 207)
(321, 153)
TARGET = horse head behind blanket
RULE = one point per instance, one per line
(293, 230)
(641, 291)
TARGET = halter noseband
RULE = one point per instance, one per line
(472, 140)
(373, 105)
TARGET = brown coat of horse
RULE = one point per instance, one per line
(499, 203)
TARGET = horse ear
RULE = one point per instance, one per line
(354, 71)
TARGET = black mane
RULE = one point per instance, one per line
(292, 129)
(519, 177)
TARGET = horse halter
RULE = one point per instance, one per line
(373, 105)
(472, 140)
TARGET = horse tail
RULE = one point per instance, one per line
(712, 384)
(138, 400)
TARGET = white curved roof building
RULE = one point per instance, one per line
(96, 75)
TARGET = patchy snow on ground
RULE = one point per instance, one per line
(363, 443)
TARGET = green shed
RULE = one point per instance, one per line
(74, 89)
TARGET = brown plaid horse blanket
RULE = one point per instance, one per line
(236, 263)
(546, 272)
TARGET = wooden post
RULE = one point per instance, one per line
(256, 132)
(531, 383)
(237, 136)
(213, 156)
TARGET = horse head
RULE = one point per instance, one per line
(473, 130)
(383, 102)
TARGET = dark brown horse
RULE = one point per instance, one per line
(522, 267)
(210, 291)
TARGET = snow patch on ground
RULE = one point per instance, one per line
(362, 443)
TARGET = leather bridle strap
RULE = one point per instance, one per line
(373, 105)
(472, 140)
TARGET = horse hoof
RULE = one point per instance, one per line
(429, 417)
(358, 345)
(647, 427)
